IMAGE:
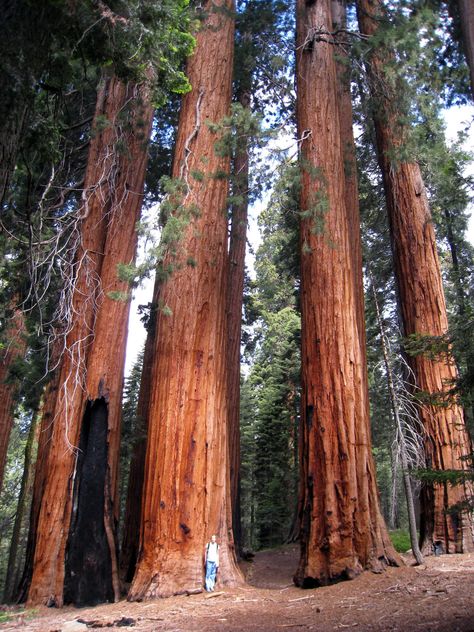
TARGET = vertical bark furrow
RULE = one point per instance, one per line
(92, 360)
(186, 489)
(422, 305)
(343, 531)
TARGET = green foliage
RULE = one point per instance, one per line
(11, 486)
(240, 125)
(453, 477)
(432, 347)
(401, 540)
(270, 392)
(132, 431)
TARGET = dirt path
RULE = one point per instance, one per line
(436, 597)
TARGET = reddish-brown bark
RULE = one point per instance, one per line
(235, 289)
(422, 304)
(466, 10)
(342, 530)
(13, 347)
(44, 441)
(186, 491)
(75, 553)
(343, 72)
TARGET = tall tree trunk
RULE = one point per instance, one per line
(422, 304)
(13, 124)
(75, 555)
(342, 529)
(44, 442)
(14, 342)
(186, 490)
(351, 189)
(466, 10)
(235, 290)
(133, 508)
(22, 506)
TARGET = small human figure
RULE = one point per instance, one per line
(212, 563)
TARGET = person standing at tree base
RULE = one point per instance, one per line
(212, 563)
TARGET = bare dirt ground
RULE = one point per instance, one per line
(438, 596)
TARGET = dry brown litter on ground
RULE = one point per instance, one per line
(436, 597)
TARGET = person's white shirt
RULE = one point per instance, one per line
(212, 552)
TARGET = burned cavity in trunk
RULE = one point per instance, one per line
(88, 567)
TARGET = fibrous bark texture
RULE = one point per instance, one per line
(44, 441)
(422, 306)
(88, 402)
(186, 491)
(466, 10)
(342, 530)
(14, 342)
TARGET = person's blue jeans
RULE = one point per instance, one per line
(211, 570)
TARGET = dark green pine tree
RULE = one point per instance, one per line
(270, 438)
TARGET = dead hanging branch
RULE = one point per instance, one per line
(407, 441)
(320, 34)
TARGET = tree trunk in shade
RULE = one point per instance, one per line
(342, 530)
(14, 341)
(422, 305)
(235, 289)
(75, 553)
(466, 10)
(24, 498)
(186, 491)
(45, 422)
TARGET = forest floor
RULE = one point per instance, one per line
(438, 596)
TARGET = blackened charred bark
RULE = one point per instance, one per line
(92, 366)
(88, 571)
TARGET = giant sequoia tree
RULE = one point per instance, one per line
(342, 529)
(466, 10)
(75, 553)
(12, 346)
(421, 298)
(186, 489)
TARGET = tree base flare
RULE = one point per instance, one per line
(305, 578)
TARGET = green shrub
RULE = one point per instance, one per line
(400, 540)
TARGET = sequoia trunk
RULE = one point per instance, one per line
(14, 342)
(186, 490)
(466, 10)
(44, 441)
(422, 305)
(75, 553)
(342, 530)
